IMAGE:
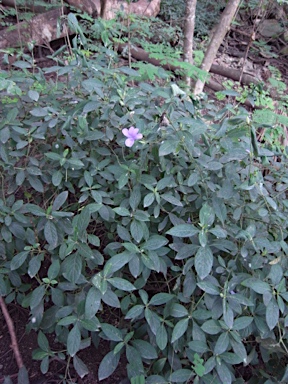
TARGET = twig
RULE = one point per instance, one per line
(10, 325)
(251, 40)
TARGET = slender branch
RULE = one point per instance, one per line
(10, 325)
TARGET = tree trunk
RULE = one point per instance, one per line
(40, 30)
(91, 7)
(188, 35)
(217, 39)
(109, 8)
(141, 55)
(141, 7)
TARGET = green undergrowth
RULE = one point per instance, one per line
(181, 235)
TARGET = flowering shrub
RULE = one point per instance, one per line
(132, 135)
(181, 227)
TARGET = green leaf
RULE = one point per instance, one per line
(228, 315)
(108, 365)
(183, 230)
(148, 200)
(198, 346)
(39, 112)
(189, 284)
(135, 198)
(53, 156)
(111, 332)
(181, 376)
(179, 329)
(72, 267)
(146, 350)
(211, 327)
(4, 135)
(153, 320)
(83, 221)
(129, 71)
(198, 366)
(54, 269)
(272, 314)
(43, 341)
(136, 230)
(271, 202)
(161, 298)
(242, 322)
(178, 310)
(20, 177)
(23, 377)
(134, 312)
(172, 200)
(35, 210)
(73, 341)
(203, 262)
(161, 337)
(239, 349)
(92, 325)
(231, 358)
(80, 367)
(59, 200)
(34, 265)
(207, 216)
(218, 232)
(92, 303)
(140, 379)
(257, 285)
(155, 242)
(167, 147)
(57, 178)
(208, 287)
(75, 163)
(34, 95)
(224, 373)
(141, 215)
(50, 233)
(44, 366)
(68, 320)
(123, 180)
(19, 260)
(118, 261)
(37, 296)
(221, 344)
(193, 179)
(111, 299)
(85, 251)
(36, 183)
(122, 284)
(121, 211)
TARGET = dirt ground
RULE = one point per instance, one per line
(28, 342)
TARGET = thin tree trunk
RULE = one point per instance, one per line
(11, 329)
(221, 30)
(189, 34)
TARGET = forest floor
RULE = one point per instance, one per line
(230, 56)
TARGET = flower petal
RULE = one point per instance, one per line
(129, 142)
(125, 132)
(139, 136)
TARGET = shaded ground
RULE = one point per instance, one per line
(28, 342)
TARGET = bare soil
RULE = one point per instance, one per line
(28, 342)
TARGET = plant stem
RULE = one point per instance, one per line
(14, 342)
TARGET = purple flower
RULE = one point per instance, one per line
(132, 135)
